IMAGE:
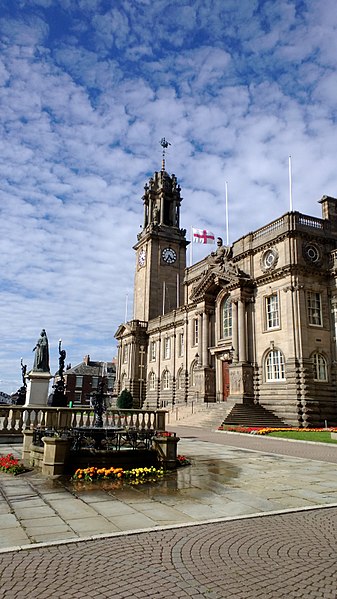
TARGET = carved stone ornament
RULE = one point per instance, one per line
(269, 259)
(312, 253)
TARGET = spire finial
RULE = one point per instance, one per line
(164, 144)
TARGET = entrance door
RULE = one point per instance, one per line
(225, 379)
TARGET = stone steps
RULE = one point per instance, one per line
(252, 415)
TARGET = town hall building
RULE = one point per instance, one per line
(253, 323)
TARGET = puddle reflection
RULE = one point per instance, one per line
(202, 476)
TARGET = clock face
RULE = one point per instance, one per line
(169, 255)
(141, 257)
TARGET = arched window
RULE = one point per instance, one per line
(152, 381)
(166, 379)
(275, 366)
(226, 318)
(320, 367)
(180, 379)
(192, 373)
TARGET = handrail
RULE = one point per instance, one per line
(16, 419)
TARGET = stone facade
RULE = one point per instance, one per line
(254, 322)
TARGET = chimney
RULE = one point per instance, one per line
(329, 210)
(86, 360)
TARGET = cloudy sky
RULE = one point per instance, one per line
(88, 89)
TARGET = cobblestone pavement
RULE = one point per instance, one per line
(289, 556)
(243, 555)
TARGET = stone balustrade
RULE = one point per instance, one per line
(14, 420)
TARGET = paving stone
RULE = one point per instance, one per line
(8, 521)
(93, 524)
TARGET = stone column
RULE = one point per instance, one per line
(242, 331)
(161, 209)
(205, 339)
(199, 339)
(235, 336)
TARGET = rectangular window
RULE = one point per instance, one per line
(94, 382)
(272, 311)
(227, 318)
(314, 308)
(195, 331)
(125, 353)
(152, 381)
(79, 382)
(152, 351)
(167, 348)
(77, 398)
(181, 344)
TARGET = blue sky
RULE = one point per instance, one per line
(88, 89)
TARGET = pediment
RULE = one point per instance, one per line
(122, 329)
(217, 278)
(210, 283)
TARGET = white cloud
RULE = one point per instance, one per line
(84, 102)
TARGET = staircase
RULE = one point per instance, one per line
(252, 415)
(209, 416)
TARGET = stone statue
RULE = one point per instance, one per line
(41, 359)
(220, 259)
(156, 215)
(221, 253)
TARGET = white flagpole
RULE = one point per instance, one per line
(227, 227)
(191, 252)
(126, 307)
(290, 187)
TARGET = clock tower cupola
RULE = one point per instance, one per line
(160, 249)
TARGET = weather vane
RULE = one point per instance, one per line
(164, 144)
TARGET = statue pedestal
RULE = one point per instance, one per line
(37, 388)
(241, 383)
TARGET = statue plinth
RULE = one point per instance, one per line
(37, 388)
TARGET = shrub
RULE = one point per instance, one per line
(125, 400)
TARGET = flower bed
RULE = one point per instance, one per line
(260, 430)
(133, 476)
(267, 430)
(240, 429)
(11, 465)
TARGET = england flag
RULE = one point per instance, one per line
(202, 236)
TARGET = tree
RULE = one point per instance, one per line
(125, 400)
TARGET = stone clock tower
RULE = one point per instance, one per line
(160, 250)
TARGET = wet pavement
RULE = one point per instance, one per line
(223, 482)
(251, 518)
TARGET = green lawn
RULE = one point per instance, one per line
(318, 437)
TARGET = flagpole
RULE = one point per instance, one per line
(290, 186)
(227, 228)
(126, 307)
(191, 252)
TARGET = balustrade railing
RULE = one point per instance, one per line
(15, 419)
